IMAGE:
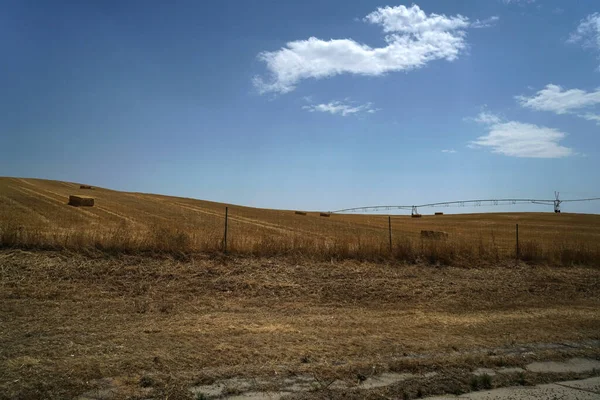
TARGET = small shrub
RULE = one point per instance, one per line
(146, 381)
(474, 383)
(530, 251)
(521, 379)
(486, 381)
(481, 382)
(231, 391)
(141, 306)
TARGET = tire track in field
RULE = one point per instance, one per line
(234, 218)
(120, 216)
(55, 202)
(26, 208)
(32, 194)
(70, 185)
(96, 207)
(251, 221)
(149, 198)
(244, 220)
(25, 181)
(108, 203)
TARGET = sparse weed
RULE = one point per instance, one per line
(146, 381)
(486, 381)
(521, 379)
(231, 391)
(474, 383)
(483, 381)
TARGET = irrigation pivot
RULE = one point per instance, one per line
(414, 209)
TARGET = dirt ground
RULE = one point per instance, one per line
(158, 326)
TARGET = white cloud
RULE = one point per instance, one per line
(414, 20)
(451, 151)
(561, 101)
(517, 139)
(413, 39)
(486, 117)
(486, 23)
(588, 33)
(554, 98)
(591, 117)
(341, 108)
(518, 1)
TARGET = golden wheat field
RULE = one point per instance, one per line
(36, 213)
(133, 298)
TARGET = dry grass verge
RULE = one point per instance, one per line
(68, 319)
(178, 242)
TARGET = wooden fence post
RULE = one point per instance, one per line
(517, 234)
(225, 236)
(390, 231)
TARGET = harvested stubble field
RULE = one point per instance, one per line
(117, 313)
(34, 214)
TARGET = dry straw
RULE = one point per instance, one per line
(81, 201)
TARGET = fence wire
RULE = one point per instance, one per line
(540, 236)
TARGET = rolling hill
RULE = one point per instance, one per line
(37, 210)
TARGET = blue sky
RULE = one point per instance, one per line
(313, 105)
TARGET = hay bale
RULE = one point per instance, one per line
(81, 201)
(325, 214)
(85, 187)
(436, 235)
(439, 213)
(300, 213)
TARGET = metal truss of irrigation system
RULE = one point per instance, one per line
(463, 203)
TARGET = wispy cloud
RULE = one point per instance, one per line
(558, 100)
(451, 151)
(588, 33)
(341, 108)
(517, 139)
(413, 39)
(591, 117)
(486, 117)
(518, 1)
(486, 23)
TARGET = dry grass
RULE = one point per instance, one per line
(68, 319)
(34, 214)
(81, 299)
